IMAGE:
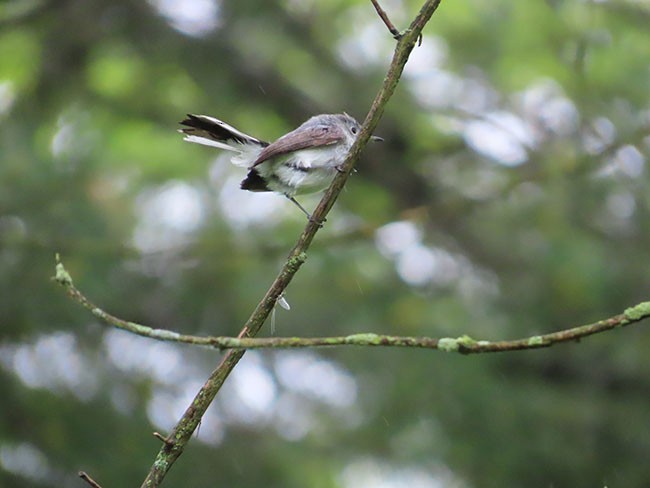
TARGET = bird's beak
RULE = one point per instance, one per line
(376, 139)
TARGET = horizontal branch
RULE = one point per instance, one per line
(463, 344)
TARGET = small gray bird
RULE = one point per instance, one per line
(303, 161)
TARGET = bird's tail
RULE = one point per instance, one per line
(202, 129)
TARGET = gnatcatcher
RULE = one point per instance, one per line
(303, 161)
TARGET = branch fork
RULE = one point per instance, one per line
(397, 35)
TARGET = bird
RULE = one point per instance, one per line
(302, 161)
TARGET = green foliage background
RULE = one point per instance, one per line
(510, 198)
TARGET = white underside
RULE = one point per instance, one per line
(300, 172)
(282, 173)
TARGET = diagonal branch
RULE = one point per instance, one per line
(463, 344)
(183, 430)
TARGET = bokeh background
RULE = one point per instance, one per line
(510, 198)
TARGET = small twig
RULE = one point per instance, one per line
(162, 438)
(382, 14)
(84, 476)
(391, 27)
(463, 344)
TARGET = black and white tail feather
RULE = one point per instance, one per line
(209, 131)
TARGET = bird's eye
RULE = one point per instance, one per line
(353, 130)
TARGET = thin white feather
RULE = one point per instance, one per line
(209, 142)
(283, 303)
(246, 153)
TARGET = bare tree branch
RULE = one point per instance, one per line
(463, 344)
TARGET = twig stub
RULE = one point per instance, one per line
(84, 476)
(163, 439)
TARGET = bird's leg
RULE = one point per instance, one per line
(320, 224)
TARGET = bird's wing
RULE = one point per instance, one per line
(301, 138)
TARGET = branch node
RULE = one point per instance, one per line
(62, 277)
(535, 341)
(638, 312)
(448, 344)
